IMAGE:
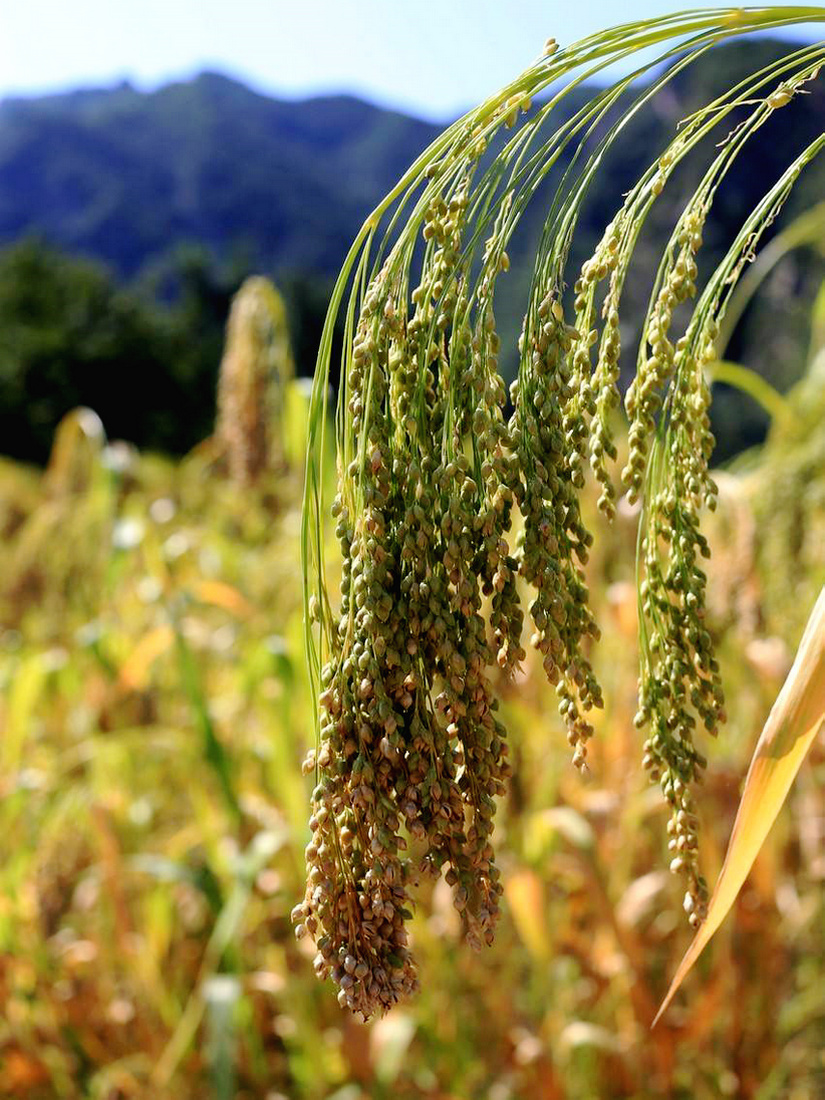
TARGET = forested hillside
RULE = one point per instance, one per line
(181, 192)
(122, 175)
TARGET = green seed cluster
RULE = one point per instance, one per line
(357, 891)
(411, 749)
(605, 376)
(668, 400)
(549, 434)
(680, 680)
(644, 397)
(680, 685)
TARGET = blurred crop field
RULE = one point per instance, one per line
(155, 713)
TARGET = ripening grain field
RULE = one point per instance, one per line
(155, 715)
(162, 880)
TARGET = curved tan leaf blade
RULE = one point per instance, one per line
(792, 725)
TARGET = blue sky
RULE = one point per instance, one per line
(430, 57)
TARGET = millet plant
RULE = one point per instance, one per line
(256, 368)
(457, 501)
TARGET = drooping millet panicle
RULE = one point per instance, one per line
(678, 669)
(679, 672)
(356, 902)
(680, 678)
(409, 738)
(411, 753)
(680, 683)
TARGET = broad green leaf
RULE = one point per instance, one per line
(807, 229)
(755, 386)
(794, 720)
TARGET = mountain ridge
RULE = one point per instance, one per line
(123, 175)
(281, 187)
(117, 174)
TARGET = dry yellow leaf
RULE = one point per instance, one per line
(135, 670)
(225, 596)
(794, 720)
(524, 891)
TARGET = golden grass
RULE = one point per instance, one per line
(145, 945)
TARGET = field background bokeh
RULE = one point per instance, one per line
(155, 714)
